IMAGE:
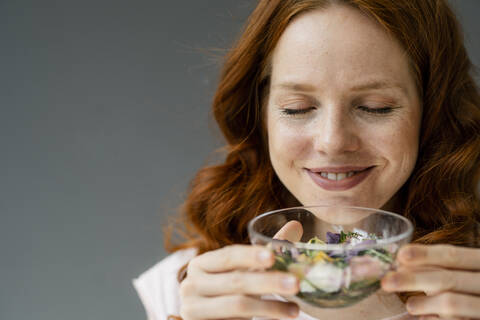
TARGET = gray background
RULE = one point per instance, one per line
(104, 119)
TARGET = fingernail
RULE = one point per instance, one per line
(289, 282)
(264, 256)
(293, 310)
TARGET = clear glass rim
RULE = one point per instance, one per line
(337, 247)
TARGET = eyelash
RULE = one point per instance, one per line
(292, 112)
(384, 110)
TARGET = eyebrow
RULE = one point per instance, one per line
(381, 84)
(373, 85)
(294, 86)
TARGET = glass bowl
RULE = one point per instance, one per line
(342, 254)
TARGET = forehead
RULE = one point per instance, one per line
(339, 46)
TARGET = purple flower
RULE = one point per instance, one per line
(333, 238)
(367, 241)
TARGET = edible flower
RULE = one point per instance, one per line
(333, 238)
(322, 256)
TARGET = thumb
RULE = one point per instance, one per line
(291, 231)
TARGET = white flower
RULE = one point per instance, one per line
(325, 277)
(361, 235)
(306, 287)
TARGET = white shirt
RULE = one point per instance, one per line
(158, 288)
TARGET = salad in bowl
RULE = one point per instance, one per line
(342, 252)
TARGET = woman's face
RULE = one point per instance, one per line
(343, 113)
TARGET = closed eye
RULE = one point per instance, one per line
(297, 111)
(383, 110)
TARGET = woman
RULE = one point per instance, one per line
(361, 102)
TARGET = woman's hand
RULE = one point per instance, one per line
(228, 283)
(449, 276)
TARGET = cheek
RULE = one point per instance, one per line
(407, 153)
(399, 145)
(286, 143)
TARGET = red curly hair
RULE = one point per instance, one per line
(439, 197)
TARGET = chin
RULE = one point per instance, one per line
(339, 201)
(345, 200)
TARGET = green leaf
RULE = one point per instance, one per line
(383, 256)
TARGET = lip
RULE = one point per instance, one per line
(344, 169)
(343, 184)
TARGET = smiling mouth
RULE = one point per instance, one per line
(338, 176)
(339, 179)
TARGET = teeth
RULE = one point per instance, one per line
(341, 176)
(337, 176)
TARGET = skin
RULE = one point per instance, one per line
(333, 50)
(327, 54)
(448, 275)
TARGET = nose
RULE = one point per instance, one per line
(335, 132)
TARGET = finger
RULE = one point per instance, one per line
(232, 257)
(291, 231)
(433, 317)
(237, 306)
(406, 268)
(432, 281)
(416, 269)
(440, 255)
(252, 283)
(447, 305)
